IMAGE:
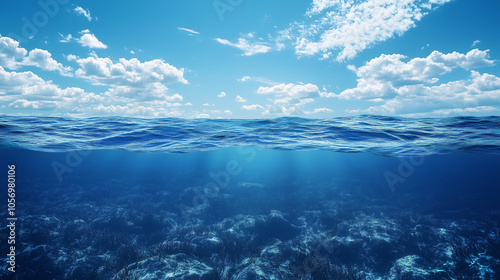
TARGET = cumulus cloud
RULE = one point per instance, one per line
(13, 57)
(347, 27)
(290, 99)
(10, 53)
(414, 87)
(253, 107)
(384, 76)
(43, 59)
(134, 88)
(90, 40)
(244, 44)
(244, 79)
(240, 99)
(27, 91)
(291, 90)
(83, 12)
(132, 78)
(455, 112)
(222, 94)
(86, 39)
(103, 71)
(318, 110)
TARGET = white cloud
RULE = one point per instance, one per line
(43, 59)
(475, 43)
(244, 79)
(190, 31)
(318, 110)
(454, 112)
(11, 53)
(247, 47)
(132, 79)
(203, 116)
(479, 90)
(292, 91)
(240, 99)
(290, 99)
(90, 40)
(81, 11)
(384, 76)
(134, 110)
(253, 107)
(13, 57)
(23, 103)
(71, 57)
(206, 104)
(228, 112)
(86, 39)
(103, 71)
(27, 91)
(350, 26)
(65, 39)
(222, 94)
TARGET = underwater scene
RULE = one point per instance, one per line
(364, 197)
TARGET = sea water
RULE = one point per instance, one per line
(365, 197)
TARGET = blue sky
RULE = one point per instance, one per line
(250, 59)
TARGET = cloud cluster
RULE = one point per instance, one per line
(27, 90)
(133, 87)
(341, 28)
(350, 26)
(289, 99)
(413, 86)
(28, 93)
(12, 56)
(131, 78)
(382, 77)
(87, 39)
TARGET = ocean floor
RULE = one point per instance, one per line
(341, 229)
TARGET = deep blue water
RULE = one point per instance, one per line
(366, 197)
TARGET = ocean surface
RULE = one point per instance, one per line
(367, 197)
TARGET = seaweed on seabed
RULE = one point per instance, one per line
(234, 249)
(494, 250)
(462, 252)
(125, 274)
(494, 244)
(312, 263)
(326, 271)
(126, 255)
(171, 248)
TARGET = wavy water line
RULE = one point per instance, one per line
(390, 136)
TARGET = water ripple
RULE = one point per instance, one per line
(390, 136)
